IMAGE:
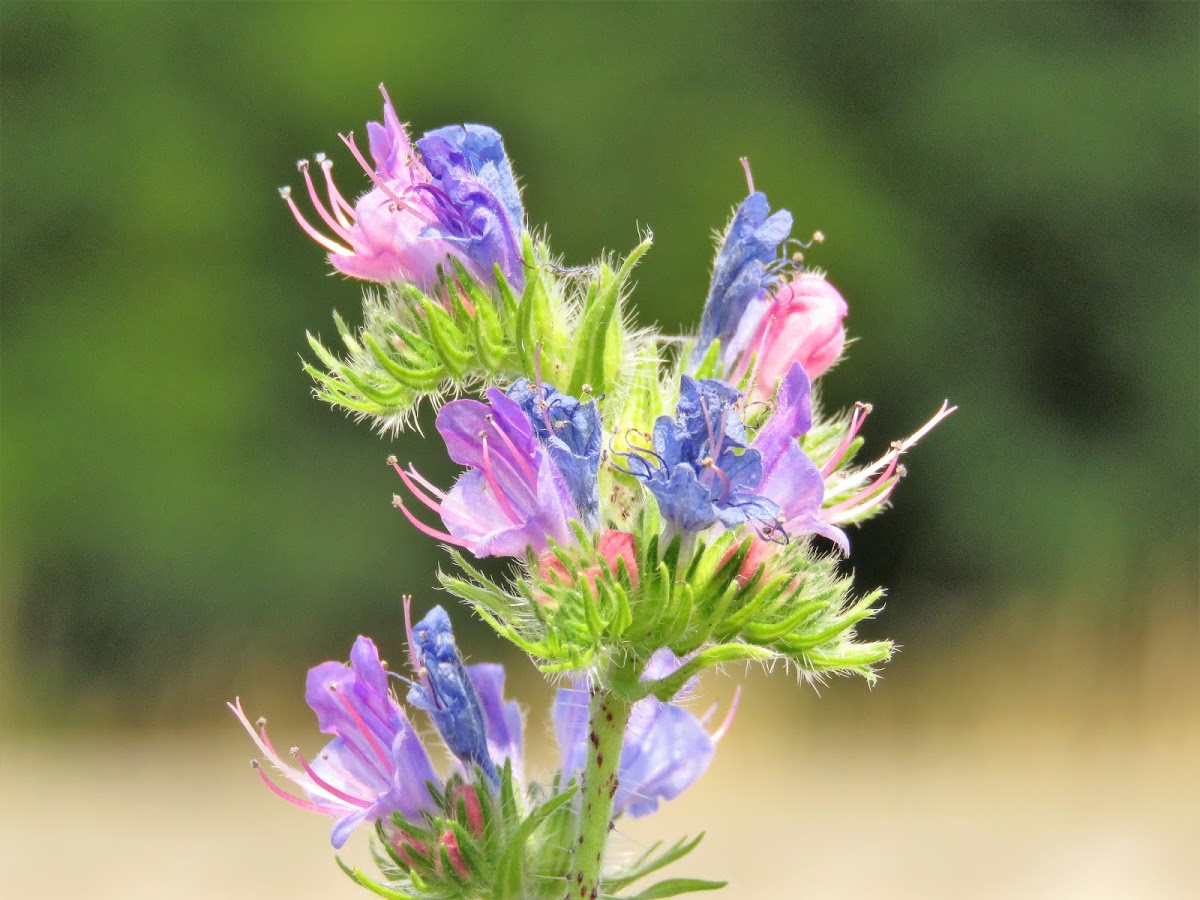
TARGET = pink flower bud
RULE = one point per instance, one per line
(449, 843)
(402, 842)
(613, 546)
(802, 323)
(474, 811)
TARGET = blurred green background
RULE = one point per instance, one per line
(1011, 198)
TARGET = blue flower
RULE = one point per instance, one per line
(478, 205)
(742, 273)
(570, 432)
(665, 750)
(700, 469)
(445, 691)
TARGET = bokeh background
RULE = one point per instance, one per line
(1011, 195)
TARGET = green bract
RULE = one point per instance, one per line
(794, 606)
(566, 327)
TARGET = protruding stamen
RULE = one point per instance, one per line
(331, 246)
(850, 509)
(417, 492)
(857, 418)
(326, 786)
(265, 747)
(749, 177)
(348, 140)
(728, 720)
(319, 206)
(343, 210)
(292, 798)
(425, 482)
(444, 537)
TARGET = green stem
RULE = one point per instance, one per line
(608, 717)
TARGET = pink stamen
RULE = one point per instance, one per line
(749, 178)
(844, 512)
(709, 464)
(491, 479)
(418, 493)
(362, 726)
(292, 798)
(870, 490)
(343, 210)
(331, 246)
(728, 720)
(444, 537)
(370, 170)
(517, 455)
(319, 206)
(426, 483)
(911, 441)
(288, 772)
(326, 786)
(861, 411)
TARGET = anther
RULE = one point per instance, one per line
(254, 763)
(285, 192)
(397, 501)
(295, 751)
(392, 461)
(302, 164)
(818, 237)
(261, 721)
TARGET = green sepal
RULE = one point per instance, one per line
(710, 365)
(360, 878)
(510, 870)
(673, 887)
(648, 862)
(601, 308)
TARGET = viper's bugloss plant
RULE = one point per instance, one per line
(668, 504)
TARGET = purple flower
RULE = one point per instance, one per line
(700, 469)
(454, 195)
(570, 431)
(665, 749)
(790, 479)
(743, 273)
(514, 495)
(376, 765)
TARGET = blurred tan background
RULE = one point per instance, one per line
(1011, 195)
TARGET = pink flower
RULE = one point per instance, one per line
(453, 194)
(802, 323)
